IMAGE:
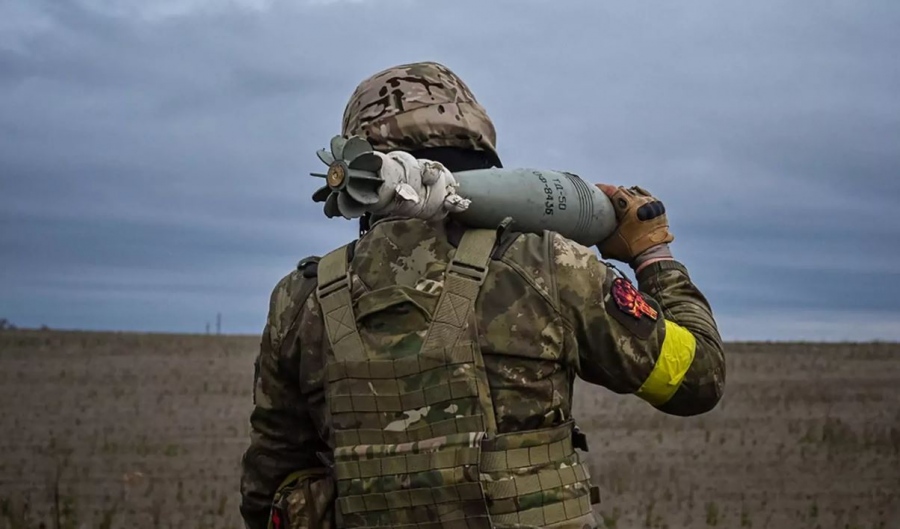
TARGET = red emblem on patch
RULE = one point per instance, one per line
(630, 301)
(276, 518)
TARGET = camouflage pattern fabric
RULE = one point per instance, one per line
(415, 106)
(545, 314)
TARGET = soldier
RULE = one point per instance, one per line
(422, 376)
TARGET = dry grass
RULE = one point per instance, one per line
(127, 430)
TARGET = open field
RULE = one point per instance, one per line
(129, 430)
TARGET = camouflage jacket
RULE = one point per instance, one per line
(549, 311)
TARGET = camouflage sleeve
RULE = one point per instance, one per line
(659, 342)
(283, 438)
(682, 302)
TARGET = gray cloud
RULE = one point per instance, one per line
(153, 157)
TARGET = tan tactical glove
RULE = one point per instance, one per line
(642, 224)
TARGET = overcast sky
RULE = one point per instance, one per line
(154, 155)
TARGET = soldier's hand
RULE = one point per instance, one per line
(642, 224)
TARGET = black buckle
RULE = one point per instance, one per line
(332, 287)
(473, 273)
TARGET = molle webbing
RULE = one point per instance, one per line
(401, 499)
(536, 478)
(411, 483)
(390, 370)
(515, 458)
(575, 509)
(417, 433)
(406, 463)
(396, 401)
(457, 515)
(370, 395)
(532, 483)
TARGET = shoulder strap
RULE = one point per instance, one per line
(462, 281)
(333, 293)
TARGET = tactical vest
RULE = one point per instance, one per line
(415, 437)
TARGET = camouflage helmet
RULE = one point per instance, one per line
(416, 106)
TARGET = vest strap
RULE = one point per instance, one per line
(333, 293)
(462, 282)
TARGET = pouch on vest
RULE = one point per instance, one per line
(305, 500)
